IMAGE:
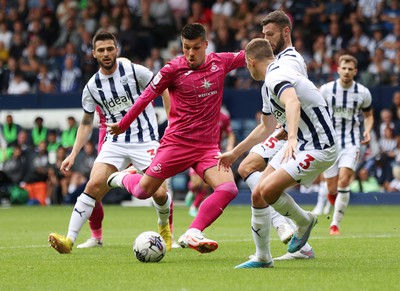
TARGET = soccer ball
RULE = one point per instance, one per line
(149, 246)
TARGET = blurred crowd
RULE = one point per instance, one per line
(45, 45)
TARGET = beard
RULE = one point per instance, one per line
(279, 45)
(108, 67)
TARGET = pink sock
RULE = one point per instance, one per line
(214, 205)
(200, 196)
(96, 220)
(132, 185)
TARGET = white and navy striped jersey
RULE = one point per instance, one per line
(115, 95)
(316, 129)
(288, 57)
(291, 58)
(345, 106)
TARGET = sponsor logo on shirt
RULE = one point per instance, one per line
(156, 80)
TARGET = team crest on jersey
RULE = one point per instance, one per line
(213, 67)
(156, 169)
(124, 80)
(206, 84)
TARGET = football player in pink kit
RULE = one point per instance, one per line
(195, 82)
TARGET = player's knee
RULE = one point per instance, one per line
(229, 187)
(243, 170)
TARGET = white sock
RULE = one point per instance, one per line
(277, 219)
(163, 211)
(322, 196)
(342, 200)
(286, 206)
(82, 210)
(261, 225)
(71, 188)
(252, 180)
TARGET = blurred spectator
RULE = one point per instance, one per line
(17, 46)
(3, 147)
(387, 154)
(29, 63)
(88, 64)
(49, 29)
(88, 19)
(68, 135)
(65, 10)
(57, 184)
(333, 40)
(364, 182)
(52, 146)
(390, 13)
(10, 131)
(395, 108)
(386, 121)
(39, 132)
(18, 84)
(396, 70)
(144, 25)
(377, 39)
(106, 25)
(70, 77)
(368, 11)
(163, 23)
(37, 174)
(320, 65)
(392, 42)
(14, 169)
(359, 37)
(4, 53)
(200, 14)
(5, 35)
(378, 71)
(127, 37)
(394, 185)
(46, 81)
(69, 33)
(224, 41)
(24, 143)
(180, 12)
(82, 166)
(8, 74)
(154, 62)
(222, 10)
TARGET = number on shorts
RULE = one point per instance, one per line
(307, 162)
(152, 153)
(271, 142)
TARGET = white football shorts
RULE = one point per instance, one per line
(347, 158)
(307, 165)
(121, 155)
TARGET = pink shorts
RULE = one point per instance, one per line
(175, 157)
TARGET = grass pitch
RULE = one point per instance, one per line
(365, 257)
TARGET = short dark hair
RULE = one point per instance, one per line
(103, 35)
(193, 31)
(279, 18)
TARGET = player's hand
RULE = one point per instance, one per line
(225, 160)
(66, 165)
(114, 129)
(367, 138)
(290, 151)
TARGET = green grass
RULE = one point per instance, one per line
(365, 257)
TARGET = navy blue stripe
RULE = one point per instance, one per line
(300, 137)
(145, 115)
(311, 128)
(128, 91)
(276, 105)
(115, 96)
(343, 133)
(325, 125)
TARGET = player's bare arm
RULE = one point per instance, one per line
(84, 130)
(368, 124)
(292, 107)
(260, 133)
